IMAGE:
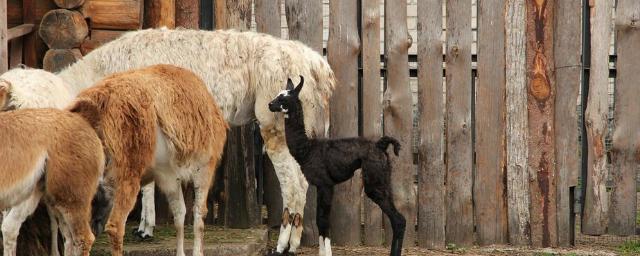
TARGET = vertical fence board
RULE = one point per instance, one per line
(15, 56)
(304, 19)
(431, 169)
(187, 13)
(541, 109)
(158, 13)
(4, 44)
(594, 216)
(342, 54)
(568, 67)
(371, 107)
(29, 45)
(627, 120)
(458, 104)
(268, 21)
(398, 113)
(489, 198)
(516, 133)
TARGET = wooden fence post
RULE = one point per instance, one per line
(626, 139)
(342, 53)
(4, 45)
(431, 169)
(568, 67)
(304, 19)
(187, 13)
(371, 107)
(541, 108)
(158, 13)
(398, 114)
(595, 216)
(268, 21)
(516, 131)
(489, 198)
(458, 127)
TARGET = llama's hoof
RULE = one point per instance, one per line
(143, 237)
(273, 252)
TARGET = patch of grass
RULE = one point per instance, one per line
(453, 248)
(638, 218)
(629, 248)
(570, 254)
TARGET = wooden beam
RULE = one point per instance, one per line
(568, 74)
(159, 13)
(459, 156)
(19, 31)
(398, 114)
(103, 13)
(187, 13)
(304, 19)
(626, 139)
(371, 107)
(541, 85)
(15, 54)
(490, 206)
(518, 200)
(30, 40)
(342, 53)
(4, 41)
(431, 168)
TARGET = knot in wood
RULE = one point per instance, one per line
(540, 88)
(454, 50)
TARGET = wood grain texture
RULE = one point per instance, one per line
(68, 4)
(459, 155)
(159, 13)
(58, 59)
(108, 14)
(268, 21)
(567, 43)
(4, 44)
(342, 53)
(233, 14)
(595, 216)
(97, 38)
(304, 20)
(518, 201)
(187, 13)
(490, 206)
(541, 112)
(625, 157)
(431, 168)
(15, 52)
(30, 40)
(371, 107)
(398, 114)
(19, 31)
(63, 29)
(35, 9)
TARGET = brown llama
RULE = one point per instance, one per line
(54, 156)
(157, 124)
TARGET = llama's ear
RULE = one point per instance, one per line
(299, 87)
(289, 84)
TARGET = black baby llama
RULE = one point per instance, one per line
(327, 162)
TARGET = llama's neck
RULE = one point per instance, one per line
(79, 76)
(296, 136)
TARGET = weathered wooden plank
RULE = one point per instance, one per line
(431, 169)
(342, 54)
(459, 155)
(107, 14)
(541, 108)
(594, 216)
(490, 207)
(29, 45)
(627, 120)
(63, 29)
(19, 31)
(15, 54)
(518, 200)
(159, 13)
(568, 68)
(233, 14)
(16, 10)
(371, 107)
(304, 19)
(187, 13)
(4, 44)
(398, 114)
(268, 21)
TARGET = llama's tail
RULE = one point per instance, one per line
(88, 109)
(383, 144)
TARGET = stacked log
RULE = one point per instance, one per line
(63, 30)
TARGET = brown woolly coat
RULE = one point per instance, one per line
(133, 105)
(72, 150)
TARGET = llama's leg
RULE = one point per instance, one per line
(381, 195)
(54, 231)
(323, 211)
(171, 187)
(201, 184)
(301, 200)
(124, 199)
(148, 212)
(14, 219)
(66, 234)
(77, 219)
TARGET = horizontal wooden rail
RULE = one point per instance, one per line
(19, 31)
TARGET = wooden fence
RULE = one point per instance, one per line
(491, 145)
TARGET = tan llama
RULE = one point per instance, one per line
(157, 124)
